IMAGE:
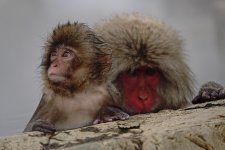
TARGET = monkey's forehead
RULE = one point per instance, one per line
(139, 32)
(136, 39)
(73, 34)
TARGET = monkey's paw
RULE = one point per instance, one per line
(209, 92)
(103, 119)
(43, 126)
(111, 114)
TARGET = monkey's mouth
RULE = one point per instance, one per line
(57, 78)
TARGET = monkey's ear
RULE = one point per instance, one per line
(103, 62)
(106, 59)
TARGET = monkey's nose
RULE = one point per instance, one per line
(142, 97)
(55, 64)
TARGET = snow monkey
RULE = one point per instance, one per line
(74, 67)
(149, 72)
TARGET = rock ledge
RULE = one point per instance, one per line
(195, 128)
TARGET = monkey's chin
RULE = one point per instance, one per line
(57, 78)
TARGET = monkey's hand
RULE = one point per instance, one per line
(110, 114)
(209, 92)
(43, 126)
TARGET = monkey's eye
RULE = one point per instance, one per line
(150, 71)
(53, 55)
(54, 52)
(67, 54)
(132, 72)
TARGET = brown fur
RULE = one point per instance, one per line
(138, 40)
(90, 49)
(76, 101)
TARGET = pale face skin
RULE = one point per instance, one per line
(60, 58)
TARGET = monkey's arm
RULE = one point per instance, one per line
(38, 121)
(209, 92)
(110, 114)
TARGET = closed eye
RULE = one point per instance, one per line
(132, 72)
(151, 71)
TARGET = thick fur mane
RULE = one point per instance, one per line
(137, 40)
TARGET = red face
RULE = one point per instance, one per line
(140, 88)
(61, 60)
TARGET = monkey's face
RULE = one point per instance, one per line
(140, 88)
(63, 60)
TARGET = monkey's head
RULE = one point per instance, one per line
(74, 57)
(148, 69)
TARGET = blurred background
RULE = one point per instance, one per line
(25, 24)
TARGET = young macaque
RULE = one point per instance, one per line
(149, 72)
(74, 66)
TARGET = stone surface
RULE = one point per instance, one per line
(199, 127)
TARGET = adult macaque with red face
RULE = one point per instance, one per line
(140, 86)
(149, 72)
(74, 68)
